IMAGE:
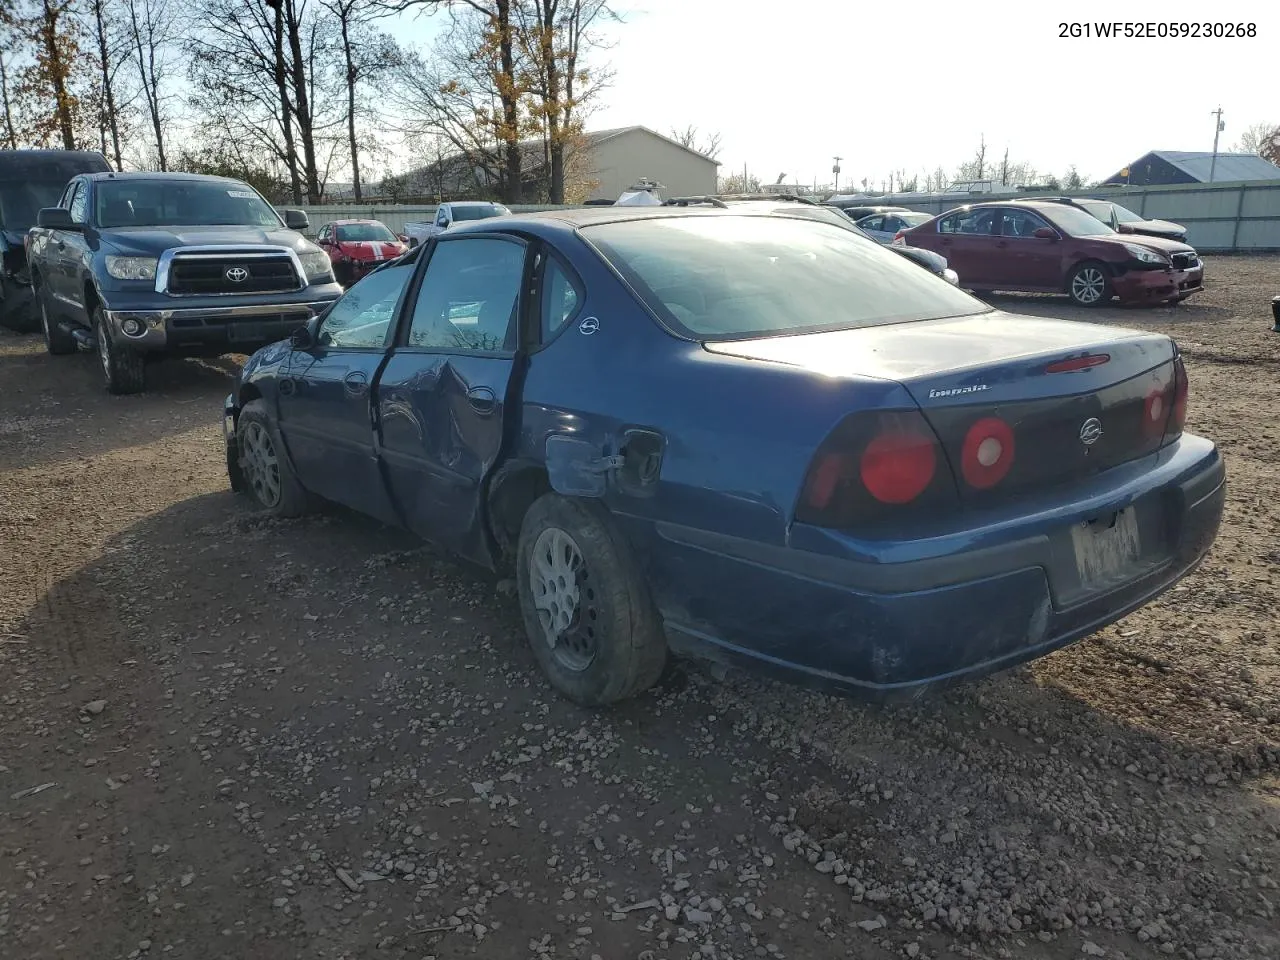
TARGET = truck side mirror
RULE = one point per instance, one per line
(57, 218)
(296, 219)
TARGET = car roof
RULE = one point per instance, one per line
(569, 219)
(471, 203)
(155, 175)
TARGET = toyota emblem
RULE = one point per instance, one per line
(1091, 431)
(237, 274)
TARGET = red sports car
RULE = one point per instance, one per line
(358, 246)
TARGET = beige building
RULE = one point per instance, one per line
(618, 158)
(608, 161)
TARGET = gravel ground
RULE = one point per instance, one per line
(226, 736)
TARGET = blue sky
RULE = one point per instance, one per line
(913, 85)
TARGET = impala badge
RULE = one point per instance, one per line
(1091, 431)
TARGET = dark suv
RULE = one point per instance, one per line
(141, 265)
(1046, 247)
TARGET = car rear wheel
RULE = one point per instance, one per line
(1089, 285)
(56, 341)
(587, 611)
(124, 371)
(265, 471)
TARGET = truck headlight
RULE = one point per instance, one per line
(316, 265)
(132, 268)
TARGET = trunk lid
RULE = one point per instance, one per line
(1047, 380)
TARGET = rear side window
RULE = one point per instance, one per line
(969, 221)
(560, 299)
(735, 277)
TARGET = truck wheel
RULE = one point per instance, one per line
(123, 370)
(56, 341)
(587, 611)
(265, 471)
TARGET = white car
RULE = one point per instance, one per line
(885, 226)
(447, 214)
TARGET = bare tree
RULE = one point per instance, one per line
(10, 133)
(688, 137)
(1255, 138)
(151, 25)
(111, 47)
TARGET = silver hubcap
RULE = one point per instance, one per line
(1087, 285)
(564, 598)
(258, 460)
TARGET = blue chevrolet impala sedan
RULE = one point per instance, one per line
(756, 439)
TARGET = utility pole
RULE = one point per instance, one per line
(836, 170)
(1218, 128)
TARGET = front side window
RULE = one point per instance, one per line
(872, 223)
(140, 202)
(733, 277)
(78, 202)
(469, 295)
(1020, 223)
(362, 317)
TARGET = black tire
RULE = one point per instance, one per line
(265, 473)
(609, 646)
(124, 371)
(1089, 284)
(17, 307)
(57, 341)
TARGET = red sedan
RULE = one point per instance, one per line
(1045, 247)
(358, 246)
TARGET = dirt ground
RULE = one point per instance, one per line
(227, 737)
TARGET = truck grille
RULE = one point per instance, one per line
(214, 275)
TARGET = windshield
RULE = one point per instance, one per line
(1075, 222)
(1125, 215)
(479, 211)
(735, 277)
(20, 202)
(356, 232)
(156, 203)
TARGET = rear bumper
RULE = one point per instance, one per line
(1154, 286)
(967, 604)
(221, 329)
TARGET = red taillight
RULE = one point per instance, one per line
(1181, 388)
(871, 468)
(900, 237)
(898, 465)
(1078, 363)
(987, 453)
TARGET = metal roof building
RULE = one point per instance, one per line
(1161, 167)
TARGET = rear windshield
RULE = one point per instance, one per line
(21, 201)
(737, 277)
(155, 203)
(479, 212)
(356, 232)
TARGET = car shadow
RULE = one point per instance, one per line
(1060, 307)
(63, 399)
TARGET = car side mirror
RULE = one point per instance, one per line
(1045, 233)
(296, 219)
(307, 335)
(56, 218)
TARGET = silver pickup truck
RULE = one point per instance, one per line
(447, 214)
